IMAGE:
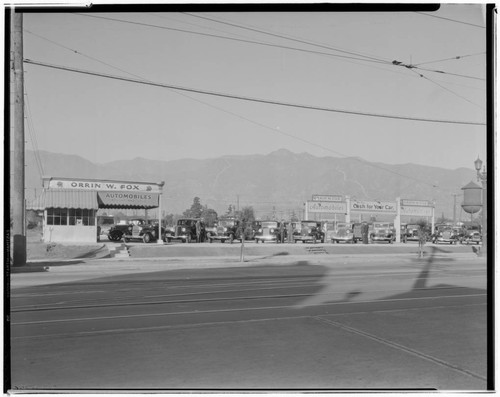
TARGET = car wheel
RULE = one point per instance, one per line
(147, 238)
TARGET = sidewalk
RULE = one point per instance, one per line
(61, 271)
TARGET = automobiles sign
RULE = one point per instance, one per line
(326, 206)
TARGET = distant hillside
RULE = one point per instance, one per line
(279, 181)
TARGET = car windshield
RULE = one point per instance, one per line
(269, 224)
(309, 224)
(227, 223)
(381, 225)
(184, 222)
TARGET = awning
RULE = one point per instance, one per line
(111, 199)
(65, 198)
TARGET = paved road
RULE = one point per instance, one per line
(293, 323)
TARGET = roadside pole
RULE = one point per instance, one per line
(19, 236)
(160, 196)
(243, 224)
(397, 221)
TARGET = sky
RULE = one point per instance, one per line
(336, 69)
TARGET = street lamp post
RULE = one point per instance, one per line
(481, 176)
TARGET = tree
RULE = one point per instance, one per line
(247, 213)
(209, 216)
(168, 219)
(246, 216)
(195, 210)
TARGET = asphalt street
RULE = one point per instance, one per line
(315, 322)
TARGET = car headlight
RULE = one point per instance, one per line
(183, 229)
(272, 230)
(260, 230)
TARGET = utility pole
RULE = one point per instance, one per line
(454, 209)
(18, 201)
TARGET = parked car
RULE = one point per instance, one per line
(135, 229)
(185, 230)
(310, 231)
(343, 233)
(255, 226)
(226, 230)
(357, 231)
(445, 236)
(474, 237)
(383, 232)
(411, 233)
(269, 231)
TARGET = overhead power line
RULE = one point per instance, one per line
(358, 57)
(377, 59)
(452, 20)
(248, 99)
(451, 58)
(274, 130)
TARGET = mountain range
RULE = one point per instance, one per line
(274, 184)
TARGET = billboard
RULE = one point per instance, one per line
(326, 206)
(387, 207)
(416, 203)
(416, 211)
(327, 197)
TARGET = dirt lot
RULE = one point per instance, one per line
(36, 249)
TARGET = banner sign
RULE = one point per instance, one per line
(326, 206)
(82, 184)
(416, 203)
(388, 207)
(112, 199)
(335, 198)
(416, 211)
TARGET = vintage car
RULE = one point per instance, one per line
(225, 230)
(473, 237)
(343, 233)
(255, 226)
(269, 231)
(411, 233)
(185, 231)
(383, 232)
(135, 229)
(310, 231)
(357, 231)
(445, 236)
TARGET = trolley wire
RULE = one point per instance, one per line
(232, 38)
(249, 99)
(451, 20)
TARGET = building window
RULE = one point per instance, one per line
(70, 216)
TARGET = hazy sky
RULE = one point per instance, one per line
(336, 61)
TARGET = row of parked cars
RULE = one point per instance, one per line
(189, 230)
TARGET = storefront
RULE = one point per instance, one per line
(70, 205)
